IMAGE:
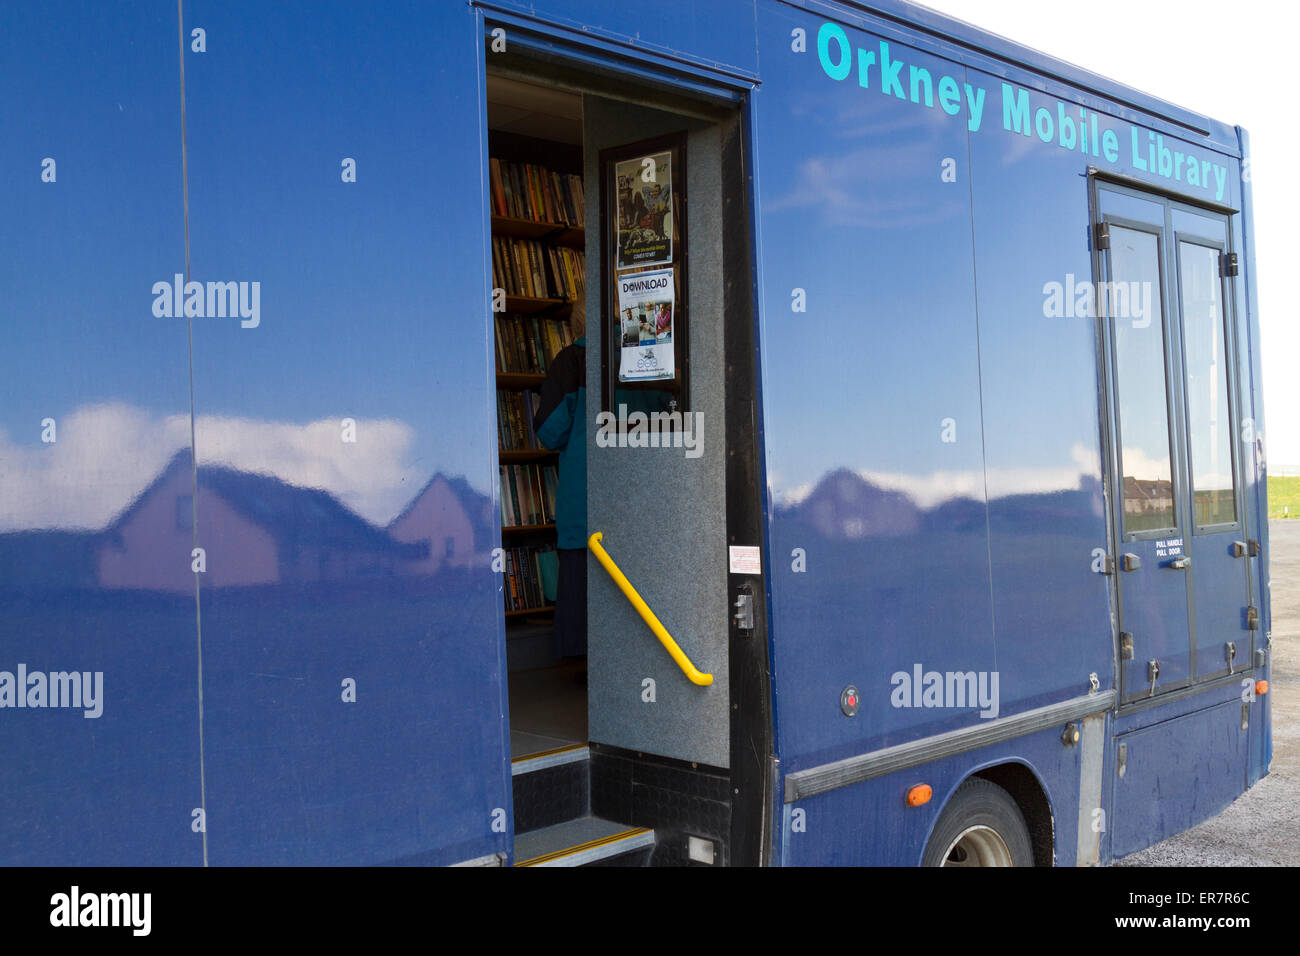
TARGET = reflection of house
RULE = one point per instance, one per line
(255, 529)
(443, 517)
(1142, 496)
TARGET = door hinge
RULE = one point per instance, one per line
(1252, 618)
(1245, 549)
(744, 616)
(1121, 759)
(1125, 645)
(1101, 235)
(1228, 264)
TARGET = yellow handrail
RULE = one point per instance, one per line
(684, 662)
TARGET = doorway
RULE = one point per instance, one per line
(596, 181)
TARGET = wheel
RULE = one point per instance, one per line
(980, 826)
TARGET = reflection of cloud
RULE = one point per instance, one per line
(936, 487)
(1019, 147)
(368, 476)
(107, 454)
(1138, 464)
(894, 181)
(848, 191)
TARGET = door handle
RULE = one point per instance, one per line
(1181, 562)
(1130, 562)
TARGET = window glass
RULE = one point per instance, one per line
(1133, 303)
(1209, 422)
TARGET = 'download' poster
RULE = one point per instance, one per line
(645, 308)
(645, 221)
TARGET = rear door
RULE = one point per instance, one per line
(1169, 344)
(352, 631)
(1151, 520)
(1218, 544)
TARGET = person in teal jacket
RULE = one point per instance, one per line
(560, 425)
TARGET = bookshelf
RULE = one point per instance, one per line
(538, 250)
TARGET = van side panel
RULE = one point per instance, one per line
(81, 440)
(374, 443)
(343, 501)
(988, 566)
(880, 562)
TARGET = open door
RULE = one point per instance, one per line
(664, 411)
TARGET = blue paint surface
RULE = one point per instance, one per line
(932, 440)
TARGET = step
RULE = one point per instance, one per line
(555, 757)
(550, 787)
(579, 842)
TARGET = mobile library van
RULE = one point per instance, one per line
(917, 416)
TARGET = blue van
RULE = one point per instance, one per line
(906, 504)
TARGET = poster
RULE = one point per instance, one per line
(645, 211)
(645, 309)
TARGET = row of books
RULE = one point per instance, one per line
(531, 268)
(530, 576)
(515, 419)
(529, 191)
(526, 343)
(528, 494)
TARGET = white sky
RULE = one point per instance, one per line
(1227, 61)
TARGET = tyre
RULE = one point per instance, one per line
(980, 826)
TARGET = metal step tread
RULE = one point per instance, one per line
(579, 841)
(571, 753)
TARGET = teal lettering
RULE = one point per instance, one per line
(1110, 145)
(1138, 161)
(1043, 123)
(949, 95)
(1015, 110)
(917, 76)
(976, 104)
(1063, 123)
(1166, 156)
(865, 59)
(889, 70)
(828, 32)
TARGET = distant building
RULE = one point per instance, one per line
(255, 529)
(442, 517)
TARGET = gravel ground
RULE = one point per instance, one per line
(1262, 827)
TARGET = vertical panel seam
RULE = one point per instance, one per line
(194, 461)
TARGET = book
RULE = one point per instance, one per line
(536, 193)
